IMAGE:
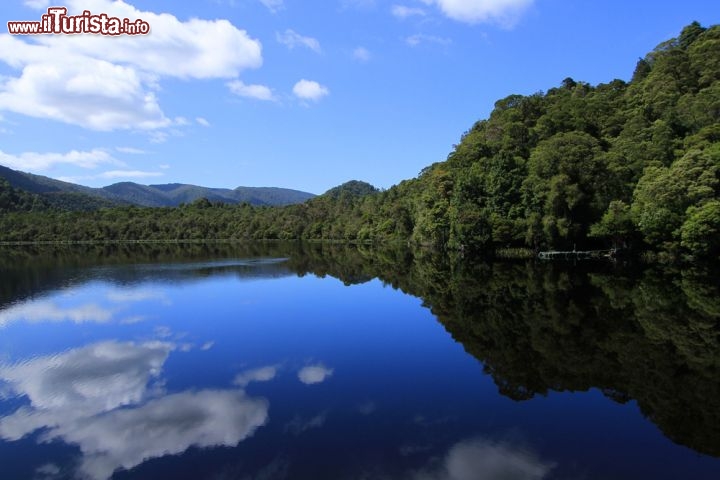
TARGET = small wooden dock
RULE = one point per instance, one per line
(577, 254)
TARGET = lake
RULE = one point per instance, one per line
(326, 362)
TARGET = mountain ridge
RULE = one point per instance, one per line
(79, 197)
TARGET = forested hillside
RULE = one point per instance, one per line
(70, 196)
(622, 162)
(633, 164)
(58, 194)
(13, 199)
(175, 194)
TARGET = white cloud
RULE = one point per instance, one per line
(37, 4)
(358, 4)
(262, 374)
(310, 90)
(313, 374)
(159, 137)
(402, 11)
(133, 319)
(505, 13)
(43, 161)
(292, 39)
(83, 91)
(114, 174)
(130, 150)
(202, 121)
(273, 5)
(103, 83)
(46, 311)
(111, 175)
(191, 49)
(258, 92)
(475, 459)
(362, 54)
(415, 40)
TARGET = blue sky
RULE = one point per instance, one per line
(303, 94)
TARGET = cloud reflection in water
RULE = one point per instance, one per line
(54, 311)
(47, 311)
(165, 426)
(313, 374)
(261, 374)
(481, 459)
(80, 382)
(101, 398)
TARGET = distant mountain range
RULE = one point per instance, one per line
(78, 197)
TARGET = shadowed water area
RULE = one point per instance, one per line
(292, 361)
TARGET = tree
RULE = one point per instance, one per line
(615, 224)
(701, 231)
(560, 186)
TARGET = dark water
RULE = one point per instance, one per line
(310, 362)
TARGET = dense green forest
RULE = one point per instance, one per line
(16, 200)
(626, 164)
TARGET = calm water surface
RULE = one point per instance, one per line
(308, 362)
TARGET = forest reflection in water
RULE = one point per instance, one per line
(651, 335)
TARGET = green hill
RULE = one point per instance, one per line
(16, 200)
(353, 188)
(175, 194)
(59, 194)
(69, 196)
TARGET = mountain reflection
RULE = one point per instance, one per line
(29, 271)
(651, 336)
(101, 398)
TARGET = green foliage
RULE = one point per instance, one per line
(559, 185)
(353, 188)
(616, 223)
(701, 231)
(664, 195)
(16, 200)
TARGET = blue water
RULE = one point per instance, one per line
(242, 369)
